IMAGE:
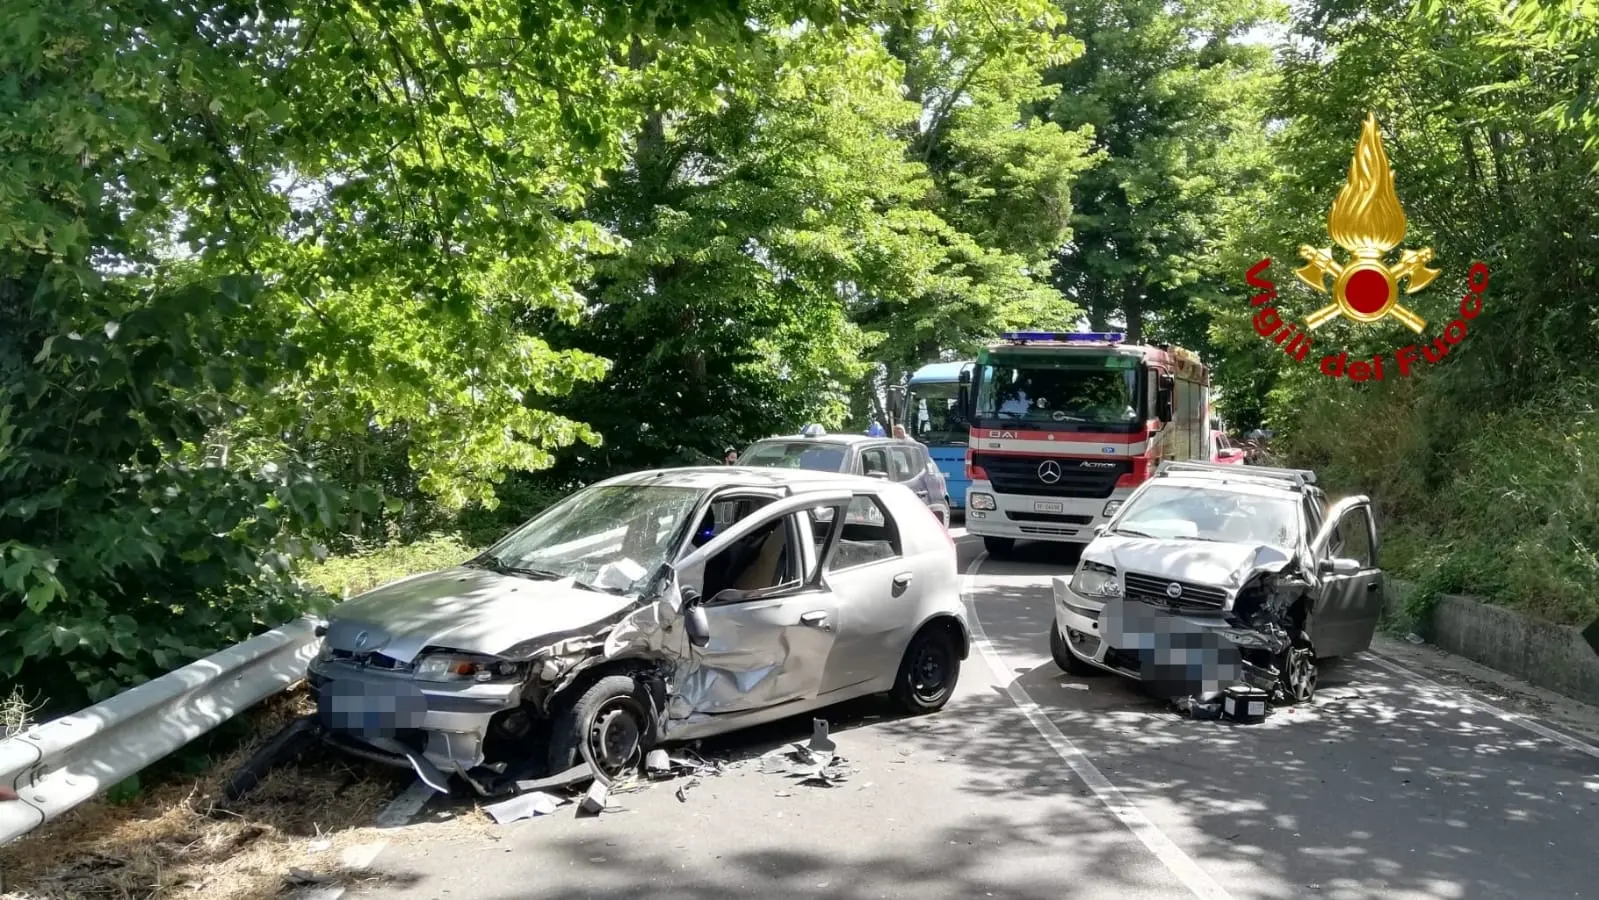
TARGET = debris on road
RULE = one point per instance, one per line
(594, 801)
(816, 762)
(524, 806)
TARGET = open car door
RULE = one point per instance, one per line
(769, 638)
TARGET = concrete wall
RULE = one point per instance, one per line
(1554, 657)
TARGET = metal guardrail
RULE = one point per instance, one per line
(58, 765)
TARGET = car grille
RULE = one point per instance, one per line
(1019, 475)
(1048, 517)
(1152, 589)
(371, 661)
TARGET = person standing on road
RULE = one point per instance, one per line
(730, 457)
(899, 433)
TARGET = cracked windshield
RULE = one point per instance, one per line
(944, 449)
(610, 538)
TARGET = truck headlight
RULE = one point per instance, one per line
(1095, 580)
(464, 667)
(980, 502)
(1111, 507)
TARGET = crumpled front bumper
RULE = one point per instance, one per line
(437, 729)
(1173, 654)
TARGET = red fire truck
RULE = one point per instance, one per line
(1065, 425)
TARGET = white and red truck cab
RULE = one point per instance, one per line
(1065, 425)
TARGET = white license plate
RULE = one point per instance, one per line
(1050, 506)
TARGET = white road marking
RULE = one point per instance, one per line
(1163, 847)
(1466, 697)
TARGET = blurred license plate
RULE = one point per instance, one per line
(1053, 506)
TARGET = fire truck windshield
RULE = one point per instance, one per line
(1045, 396)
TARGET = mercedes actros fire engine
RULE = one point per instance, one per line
(1065, 425)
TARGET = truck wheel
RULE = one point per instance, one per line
(998, 547)
(1065, 659)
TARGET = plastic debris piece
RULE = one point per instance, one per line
(524, 806)
(658, 764)
(594, 801)
(1415, 638)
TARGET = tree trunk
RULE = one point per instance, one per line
(1133, 310)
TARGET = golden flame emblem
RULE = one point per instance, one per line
(1367, 221)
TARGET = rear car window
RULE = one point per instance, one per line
(795, 455)
(870, 535)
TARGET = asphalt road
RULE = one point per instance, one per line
(1395, 783)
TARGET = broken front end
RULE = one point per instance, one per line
(1180, 649)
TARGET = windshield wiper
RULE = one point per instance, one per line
(495, 564)
(1130, 532)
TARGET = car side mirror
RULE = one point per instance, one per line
(882, 475)
(1338, 566)
(1099, 530)
(696, 624)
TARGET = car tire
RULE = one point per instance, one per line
(1297, 684)
(1065, 659)
(928, 673)
(613, 717)
(999, 547)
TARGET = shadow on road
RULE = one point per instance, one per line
(1381, 786)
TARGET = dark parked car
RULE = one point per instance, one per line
(892, 459)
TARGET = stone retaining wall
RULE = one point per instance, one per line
(1554, 657)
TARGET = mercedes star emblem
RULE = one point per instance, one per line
(1174, 590)
(360, 640)
(1049, 471)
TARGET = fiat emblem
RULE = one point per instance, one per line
(1174, 590)
(360, 639)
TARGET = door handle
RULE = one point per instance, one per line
(902, 579)
(816, 619)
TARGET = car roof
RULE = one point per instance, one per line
(710, 477)
(1240, 484)
(850, 439)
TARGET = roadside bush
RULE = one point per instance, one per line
(1501, 504)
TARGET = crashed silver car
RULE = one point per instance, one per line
(1215, 575)
(654, 607)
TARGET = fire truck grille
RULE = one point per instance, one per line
(1085, 478)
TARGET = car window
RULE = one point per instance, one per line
(905, 467)
(766, 558)
(795, 455)
(1353, 540)
(1204, 513)
(869, 535)
(874, 461)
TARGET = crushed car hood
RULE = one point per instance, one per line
(467, 609)
(1201, 562)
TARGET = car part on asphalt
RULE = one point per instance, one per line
(1244, 704)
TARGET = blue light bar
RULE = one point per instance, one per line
(1110, 337)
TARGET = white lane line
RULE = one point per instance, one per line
(1164, 848)
(1464, 696)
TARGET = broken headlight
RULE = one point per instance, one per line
(1095, 580)
(465, 667)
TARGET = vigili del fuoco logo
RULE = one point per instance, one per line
(1367, 222)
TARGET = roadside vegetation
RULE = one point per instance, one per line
(294, 302)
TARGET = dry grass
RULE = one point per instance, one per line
(174, 841)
